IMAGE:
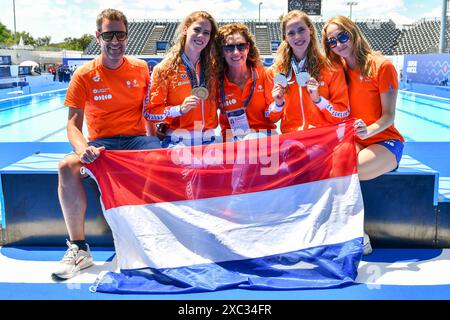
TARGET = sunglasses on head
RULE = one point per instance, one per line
(342, 37)
(109, 35)
(232, 47)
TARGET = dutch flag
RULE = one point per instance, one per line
(275, 213)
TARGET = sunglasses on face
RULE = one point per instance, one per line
(342, 37)
(231, 47)
(109, 35)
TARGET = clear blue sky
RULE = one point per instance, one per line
(72, 18)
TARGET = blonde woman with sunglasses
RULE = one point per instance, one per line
(373, 87)
(308, 92)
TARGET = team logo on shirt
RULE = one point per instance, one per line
(183, 77)
(260, 88)
(103, 97)
(364, 79)
(230, 102)
(101, 90)
(96, 78)
(132, 84)
(181, 83)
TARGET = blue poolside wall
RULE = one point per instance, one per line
(426, 68)
(426, 73)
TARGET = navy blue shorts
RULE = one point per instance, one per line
(167, 142)
(123, 142)
(394, 146)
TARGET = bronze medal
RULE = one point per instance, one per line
(200, 92)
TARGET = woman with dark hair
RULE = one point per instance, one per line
(308, 91)
(243, 99)
(373, 87)
(182, 93)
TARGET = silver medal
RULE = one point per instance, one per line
(280, 79)
(302, 78)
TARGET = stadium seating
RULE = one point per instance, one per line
(383, 36)
(421, 37)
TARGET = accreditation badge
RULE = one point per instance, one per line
(238, 122)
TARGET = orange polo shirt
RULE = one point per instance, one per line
(365, 100)
(168, 94)
(235, 98)
(112, 100)
(333, 107)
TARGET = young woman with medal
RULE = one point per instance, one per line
(373, 85)
(180, 95)
(243, 97)
(307, 91)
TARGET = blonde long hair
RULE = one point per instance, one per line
(173, 60)
(285, 53)
(361, 47)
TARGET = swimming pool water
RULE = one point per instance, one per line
(423, 118)
(43, 117)
(38, 118)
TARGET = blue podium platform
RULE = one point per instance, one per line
(404, 208)
(31, 212)
(400, 207)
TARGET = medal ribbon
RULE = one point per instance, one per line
(295, 66)
(191, 71)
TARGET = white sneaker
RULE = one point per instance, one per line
(73, 262)
(367, 248)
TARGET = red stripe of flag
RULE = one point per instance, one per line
(153, 176)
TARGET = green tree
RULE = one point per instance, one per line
(70, 44)
(27, 38)
(78, 44)
(85, 40)
(6, 37)
(45, 41)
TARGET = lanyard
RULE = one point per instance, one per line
(295, 66)
(191, 71)
(247, 101)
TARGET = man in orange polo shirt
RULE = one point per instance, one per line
(109, 91)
